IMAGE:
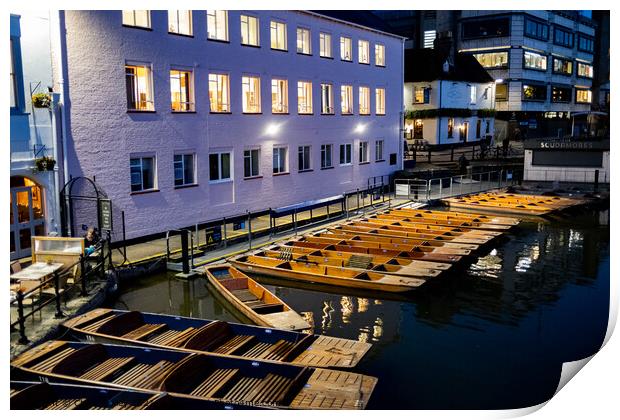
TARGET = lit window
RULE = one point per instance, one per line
(249, 30)
(303, 41)
(534, 92)
(184, 170)
(421, 95)
(138, 18)
(345, 49)
(279, 160)
(181, 90)
(493, 60)
(304, 97)
(278, 35)
(429, 38)
(325, 45)
(251, 163)
(363, 152)
(363, 48)
(562, 66)
(345, 154)
(139, 88)
(180, 22)
(418, 129)
(380, 101)
(346, 99)
(219, 93)
(561, 94)
(219, 166)
(534, 61)
(583, 96)
(327, 98)
(501, 92)
(450, 128)
(217, 25)
(304, 160)
(472, 94)
(142, 172)
(279, 96)
(326, 156)
(380, 55)
(250, 87)
(364, 100)
(585, 70)
(379, 150)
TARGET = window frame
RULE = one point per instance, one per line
(346, 91)
(488, 19)
(134, 25)
(190, 21)
(379, 46)
(577, 101)
(304, 158)
(283, 95)
(587, 38)
(18, 77)
(282, 159)
(379, 147)
(148, 85)
(247, 27)
(360, 50)
(330, 109)
(532, 53)
(346, 158)
(278, 25)
(502, 99)
(249, 83)
(363, 152)
(500, 66)
(380, 100)
(343, 44)
(563, 60)
(450, 128)
(217, 37)
(323, 43)
(220, 178)
(183, 163)
(538, 24)
(570, 94)
(224, 76)
(306, 86)
(586, 65)
(190, 90)
(141, 166)
(365, 96)
(327, 151)
(535, 85)
(426, 97)
(308, 37)
(247, 156)
(566, 31)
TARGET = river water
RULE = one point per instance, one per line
(491, 336)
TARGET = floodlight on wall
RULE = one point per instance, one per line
(272, 129)
(360, 128)
(499, 80)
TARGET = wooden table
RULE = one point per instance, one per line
(37, 271)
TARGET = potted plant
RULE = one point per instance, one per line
(45, 163)
(41, 100)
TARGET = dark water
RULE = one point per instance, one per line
(492, 336)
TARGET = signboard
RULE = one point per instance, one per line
(238, 225)
(508, 175)
(105, 214)
(213, 235)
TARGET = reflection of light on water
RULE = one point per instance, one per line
(493, 252)
(347, 308)
(487, 266)
(574, 238)
(309, 317)
(377, 330)
(525, 262)
(378, 302)
(326, 319)
(363, 336)
(362, 305)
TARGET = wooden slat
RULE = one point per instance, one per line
(106, 368)
(218, 379)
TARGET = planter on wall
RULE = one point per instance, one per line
(44, 163)
(42, 100)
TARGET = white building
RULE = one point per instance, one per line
(447, 101)
(34, 192)
(190, 116)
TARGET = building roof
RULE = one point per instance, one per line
(426, 65)
(363, 18)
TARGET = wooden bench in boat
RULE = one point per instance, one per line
(144, 331)
(106, 368)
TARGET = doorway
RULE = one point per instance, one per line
(27, 215)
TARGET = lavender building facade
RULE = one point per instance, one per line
(185, 117)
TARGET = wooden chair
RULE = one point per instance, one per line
(16, 267)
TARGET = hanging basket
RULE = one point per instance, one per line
(44, 163)
(41, 100)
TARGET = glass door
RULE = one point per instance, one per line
(26, 219)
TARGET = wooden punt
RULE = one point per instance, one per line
(413, 226)
(459, 223)
(253, 300)
(466, 243)
(536, 205)
(27, 395)
(325, 274)
(354, 242)
(199, 376)
(215, 337)
(361, 262)
(455, 215)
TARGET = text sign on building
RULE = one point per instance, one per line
(105, 214)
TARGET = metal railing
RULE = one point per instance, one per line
(438, 188)
(80, 280)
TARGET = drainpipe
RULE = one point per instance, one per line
(57, 21)
(439, 117)
(401, 124)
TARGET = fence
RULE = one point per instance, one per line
(567, 175)
(454, 152)
(438, 188)
(58, 282)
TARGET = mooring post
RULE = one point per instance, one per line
(224, 228)
(295, 220)
(249, 230)
(184, 251)
(20, 318)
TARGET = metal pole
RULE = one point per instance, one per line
(109, 250)
(451, 186)
(184, 251)
(83, 275)
(124, 239)
(357, 192)
(249, 230)
(295, 220)
(327, 213)
(59, 313)
(20, 318)
(224, 228)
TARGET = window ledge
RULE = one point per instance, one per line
(379, 115)
(279, 113)
(178, 34)
(223, 41)
(364, 163)
(305, 113)
(252, 177)
(346, 164)
(183, 112)
(220, 112)
(144, 192)
(327, 167)
(324, 56)
(252, 113)
(278, 49)
(250, 45)
(303, 53)
(282, 173)
(364, 115)
(347, 114)
(346, 61)
(144, 28)
(221, 181)
(380, 160)
(366, 64)
(305, 170)
(139, 111)
(181, 187)
(380, 65)
(328, 113)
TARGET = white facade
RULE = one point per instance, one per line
(448, 94)
(285, 151)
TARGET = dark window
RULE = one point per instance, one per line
(487, 127)
(478, 127)
(486, 28)
(535, 29)
(142, 172)
(561, 66)
(561, 94)
(585, 43)
(501, 92)
(562, 37)
(534, 92)
(184, 170)
(250, 163)
(393, 158)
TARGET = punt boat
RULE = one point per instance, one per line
(253, 300)
(58, 396)
(374, 230)
(452, 215)
(325, 274)
(215, 337)
(452, 223)
(359, 262)
(413, 226)
(199, 376)
(537, 205)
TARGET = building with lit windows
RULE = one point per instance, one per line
(190, 116)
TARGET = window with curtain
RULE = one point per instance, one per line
(137, 18)
(278, 35)
(346, 99)
(346, 53)
(380, 55)
(180, 22)
(180, 90)
(217, 25)
(219, 92)
(249, 30)
(379, 150)
(380, 101)
(303, 41)
(364, 100)
(139, 88)
(363, 51)
(219, 166)
(325, 45)
(304, 97)
(250, 87)
(279, 160)
(279, 96)
(326, 156)
(363, 152)
(327, 98)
